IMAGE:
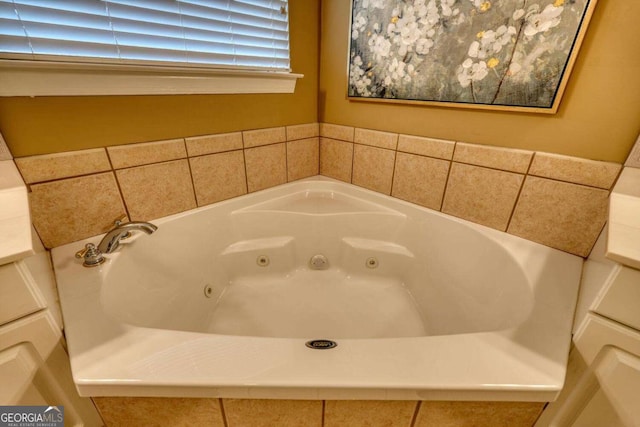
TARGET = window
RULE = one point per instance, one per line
(110, 43)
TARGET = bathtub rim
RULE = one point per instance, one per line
(540, 383)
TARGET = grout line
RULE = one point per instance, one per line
(193, 183)
(318, 168)
(446, 182)
(195, 156)
(593, 245)
(544, 407)
(424, 155)
(20, 171)
(39, 236)
(353, 160)
(415, 413)
(324, 408)
(489, 167)
(564, 181)
(122, 199)
(533, 156)
(515, 203)
(244, 163)
(223, 413)
(320, 155)
(115, 177)
(286, 160)
(393, 170)
(48, 181)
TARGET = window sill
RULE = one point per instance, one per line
(36, 78)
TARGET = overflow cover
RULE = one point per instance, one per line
(321, 344)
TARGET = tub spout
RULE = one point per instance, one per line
(111, 240)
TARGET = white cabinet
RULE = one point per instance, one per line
(620, 300)
(19, 295)
(34, 366)
(602, 388)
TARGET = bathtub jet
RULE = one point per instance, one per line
(423, 305)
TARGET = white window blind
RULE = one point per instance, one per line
(236, 34)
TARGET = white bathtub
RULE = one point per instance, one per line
(452, 311)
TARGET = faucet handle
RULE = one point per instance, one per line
(91, 255)
(118, 223)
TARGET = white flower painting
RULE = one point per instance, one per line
(504, 53)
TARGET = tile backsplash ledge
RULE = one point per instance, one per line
(555, 200)
(75, 195)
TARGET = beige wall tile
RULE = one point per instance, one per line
(218, 176)
(125, 156)
(159, 411)
(420, 180)
(376, 138)
(210, 144)
(507, 159)
(373, 168)
(63, 165)
(336, 159)
(575, 170)
(258, 137)
(368, 413)
(561, 215)
(303, 158)
(307, 130)
(76, 208)
(266, 166)
(272, 413)
(485, 196)
(478, 414)
(426, 146)
(157, 190)
(343, 133)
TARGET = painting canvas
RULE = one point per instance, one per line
(499, 54)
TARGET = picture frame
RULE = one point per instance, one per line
(509, 55)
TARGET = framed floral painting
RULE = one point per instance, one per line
(495, 54)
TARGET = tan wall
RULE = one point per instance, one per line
(599, 117)
(54, 124)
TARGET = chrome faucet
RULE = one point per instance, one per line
(111, 240)
(92, 255)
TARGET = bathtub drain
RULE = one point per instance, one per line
(321, 344)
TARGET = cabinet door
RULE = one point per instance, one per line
(609, 391)
(35, 370)
(603, 381)
(20, 295)
(621, 299)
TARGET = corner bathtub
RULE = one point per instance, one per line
(221, 300)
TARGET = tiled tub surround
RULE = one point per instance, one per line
(126, 411)
(555, 200)
(78, 194)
